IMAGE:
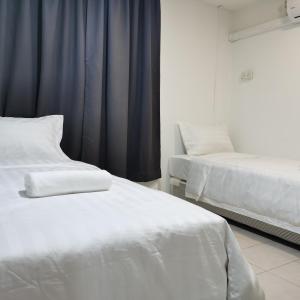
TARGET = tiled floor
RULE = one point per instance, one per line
(277, 266)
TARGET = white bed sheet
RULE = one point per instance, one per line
(128, 243)
(267, 189)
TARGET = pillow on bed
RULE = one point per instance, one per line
(205, 140)
(30, 140)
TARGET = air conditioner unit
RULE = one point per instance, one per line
(293, 10)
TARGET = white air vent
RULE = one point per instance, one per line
(293, 10)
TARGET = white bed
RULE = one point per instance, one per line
(261, 188)
(130, 243)
(125, 243)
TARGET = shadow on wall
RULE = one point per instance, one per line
(179, 149)
(178, 143)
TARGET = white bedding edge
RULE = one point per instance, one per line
(178, 181)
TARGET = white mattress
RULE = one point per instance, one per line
(263, 188)
(128, 243)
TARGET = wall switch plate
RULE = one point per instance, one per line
(247, 75)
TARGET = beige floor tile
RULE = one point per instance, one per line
(245, 242)
(251, 238)
(290, 272)
(284, 248)
(278, 289)
(270, 256)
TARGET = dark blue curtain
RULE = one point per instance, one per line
(97, 62)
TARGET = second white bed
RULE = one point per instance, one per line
(265, 189)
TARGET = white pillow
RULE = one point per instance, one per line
(205, 140)
(30, 140)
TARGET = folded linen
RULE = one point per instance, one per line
(51, 183)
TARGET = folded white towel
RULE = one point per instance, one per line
(50, 183)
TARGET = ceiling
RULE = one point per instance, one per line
(232, 4)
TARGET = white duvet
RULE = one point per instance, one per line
(128, 243)
(266, 188)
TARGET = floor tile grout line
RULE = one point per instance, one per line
(255, 265)
(260, 273)
(270, 245)
(278, 276)
(259, 244)
(252, 246)
(273, 268)
(287, 263)
(247, 237)
(255, 243)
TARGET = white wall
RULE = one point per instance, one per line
(188, 59)
(265, 112)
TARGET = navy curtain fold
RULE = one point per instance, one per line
(97, 62)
